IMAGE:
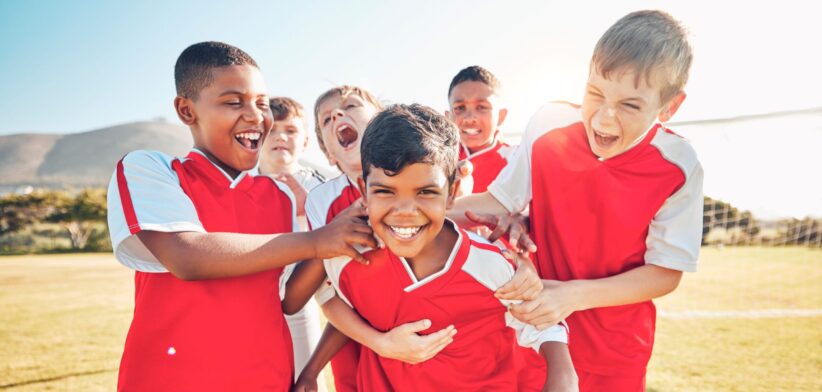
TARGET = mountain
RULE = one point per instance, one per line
(83, 159)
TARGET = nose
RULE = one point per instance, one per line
(605, 117)
(405, 207)
(280, 135)
(253, 114)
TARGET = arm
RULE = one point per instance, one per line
(401, 343)
(195, 256)
(330, 343)
(561, 373)
(482, 203)
(559, 299)
(307, 277)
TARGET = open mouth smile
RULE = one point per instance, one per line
(604, 139)
(346, 135)
(471, 131)
(406, 233)
(250, 139)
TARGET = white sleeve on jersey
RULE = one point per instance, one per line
(675, 233)
(491, 270)
(512, 187)
(158, 204)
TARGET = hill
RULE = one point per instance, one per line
(82, 159)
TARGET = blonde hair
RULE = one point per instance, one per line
(343, 91)
(652, 44)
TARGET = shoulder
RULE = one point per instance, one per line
(486, 264)
(676, 150)
(148, 159)
(550, 117)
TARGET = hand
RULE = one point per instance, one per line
(554, 303)
(525, 284)
(466, 180)
(404, 344)
(516, 225)
(297, 189)
(305, 383)
(343, 233)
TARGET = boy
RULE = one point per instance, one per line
(474, 105)
(208, 242)
(431, 268)
(279, 160)
(615, 200)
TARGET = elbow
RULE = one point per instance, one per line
(289, 309)
(672, 279)
(185, 272)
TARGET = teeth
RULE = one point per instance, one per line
(405, 232)
(472, 131)
(249, 135)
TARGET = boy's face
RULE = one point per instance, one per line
(407, 210)
(616, 111)
(475, 109)
(286, 141)
(231, 118)
(342, 121)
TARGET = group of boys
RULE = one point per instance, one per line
(414, 298)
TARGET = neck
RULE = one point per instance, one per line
(232, 172)
(274, 168)
(434, 255)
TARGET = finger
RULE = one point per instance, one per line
(509, 288)
(361, 239)
(499, 230)
(465, 168)
(525, 308)
(440, 336)
(526, 243)
(436, 349)
(514, 235)
(483, 219)
(360, 227)
(356, 256)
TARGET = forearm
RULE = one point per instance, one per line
(303, 283)
(196, 256)
(482, 203)
(640, 284)
(561, 373)
(330, 343)
(349, 322)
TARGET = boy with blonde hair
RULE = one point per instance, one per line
(615, 200)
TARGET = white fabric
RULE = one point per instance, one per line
(320, 198)
(159, 204)
(674, 235)
(512, 187)
(493, 271)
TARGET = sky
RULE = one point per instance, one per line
(78, 66)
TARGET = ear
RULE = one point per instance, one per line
(361, 185)
(452, 194)
(671, 107)
(185, 110)
(502, 114)
(448, 115)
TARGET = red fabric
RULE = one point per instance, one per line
(590, 382)
(479, 358)
(344, 363)
(125, 199)
(589, 219)
(219, 334)
(487, 166)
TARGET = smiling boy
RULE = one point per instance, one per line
(430, 268)
(615, 200)
(475, 106)
(208, 242)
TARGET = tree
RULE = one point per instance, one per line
(78, 215)
(20, 211)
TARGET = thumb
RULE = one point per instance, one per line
(418, 326)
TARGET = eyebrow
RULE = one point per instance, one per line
(238, 92)
(381, 185)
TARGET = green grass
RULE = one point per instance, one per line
(64, 319)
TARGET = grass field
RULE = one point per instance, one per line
(63, 321)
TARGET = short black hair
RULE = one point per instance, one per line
(403, 135)
(475, 73)
(192, 72)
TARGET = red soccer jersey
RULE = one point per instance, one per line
(488, 163)
(594, 218)
(217, 334)
(462, 294)
(323, 203)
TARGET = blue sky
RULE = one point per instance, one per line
(78, 66)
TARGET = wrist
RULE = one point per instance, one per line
(581, 294)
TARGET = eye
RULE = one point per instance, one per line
(631, 106)
(263, 104)
(459, 108)
(291, 131)
(351, 105)
(429, 192)
(482, 108)
(381, 191)
(326, 120)
(234, 102)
